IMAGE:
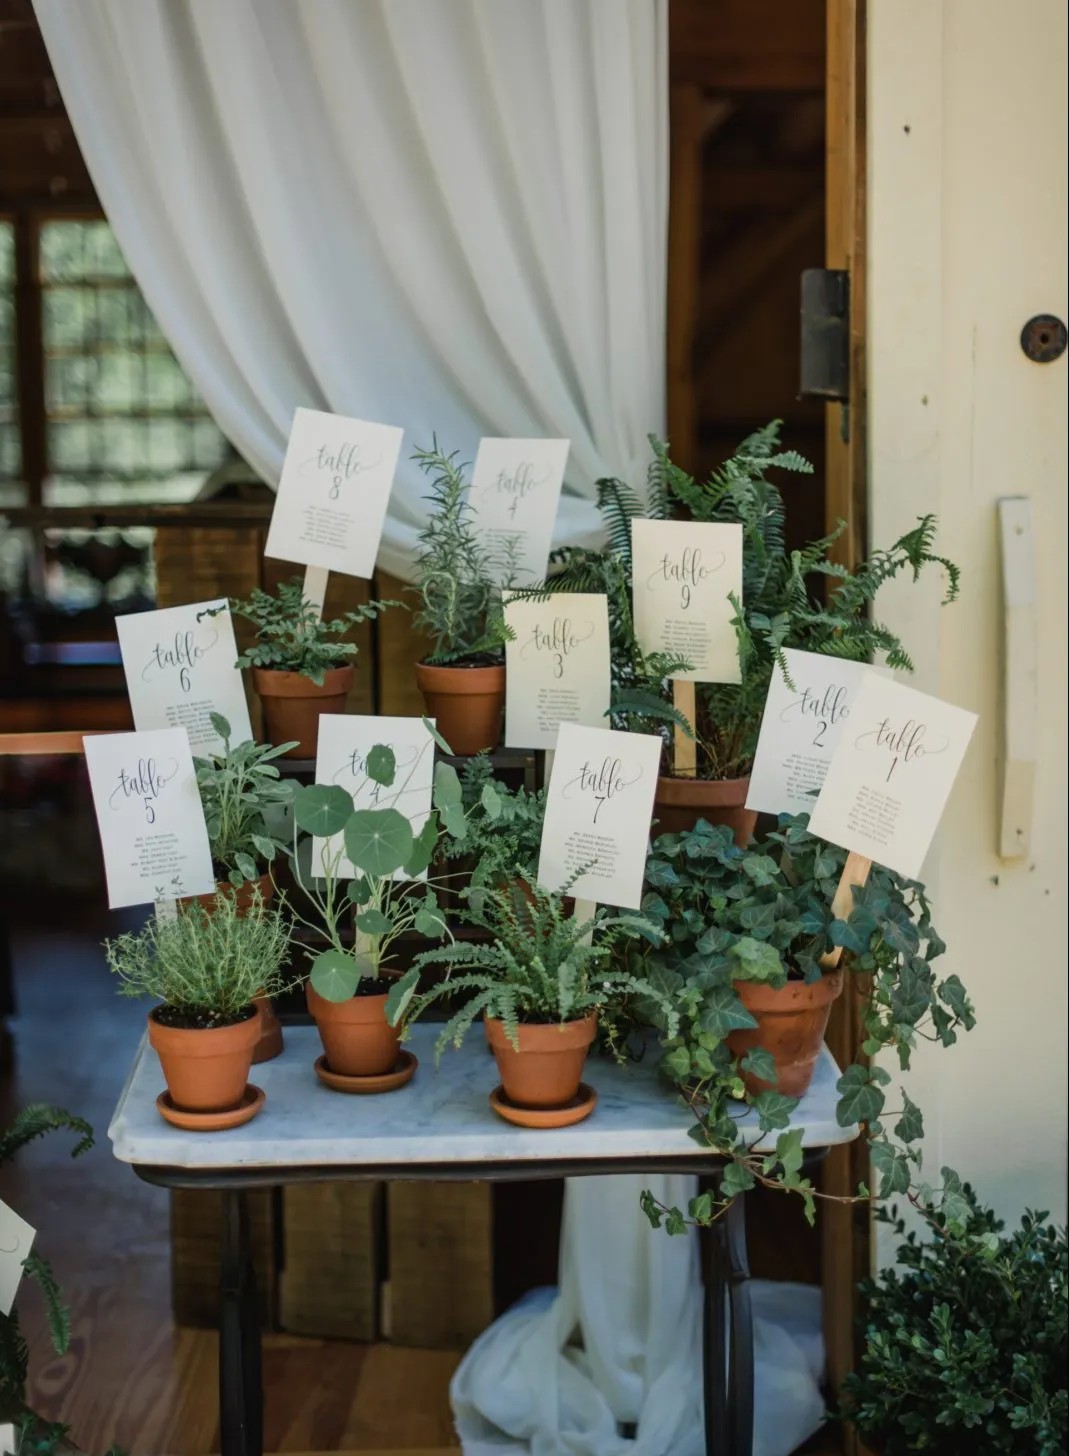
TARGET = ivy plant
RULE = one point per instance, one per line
(242, 794)
(388, 895)
(764, 914)
(292, 637)
(965, 1337)
(539, 963)
(458, 574)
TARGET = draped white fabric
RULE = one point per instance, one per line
(443, 214)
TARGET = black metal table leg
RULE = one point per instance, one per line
(241, 1397)
(727, 1336)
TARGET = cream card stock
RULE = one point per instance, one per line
(598, 811)
(151, 822)
(802, 724)
(685, 574)
(892, 773)
(333, 492)
(558, 666)
(16, 1241)
(515, 491)
(345, 740)
(180, 669)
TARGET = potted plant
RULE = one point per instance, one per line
(206, 971)
(459, 579)
(387, 897)
(543, 981)
(504, 828)
(35, 1437)
(301, 667)
(965, 1336)
(778, 609)
(746, 932)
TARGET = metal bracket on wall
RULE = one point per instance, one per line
(825, 354)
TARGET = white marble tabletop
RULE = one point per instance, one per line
(442, 1116)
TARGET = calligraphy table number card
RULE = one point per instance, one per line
(598, 810)
(892, 773)
(180, 668)
(805, 715)
(333, 492)
(150, 817)
(16, 1242)
(345, 740)
(685, 574)
(558, 666)
(515, 491)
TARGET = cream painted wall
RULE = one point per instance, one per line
(967, 240)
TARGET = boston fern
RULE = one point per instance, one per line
(240, 788)
(291, 637)
(458, 576)
(965, 1337)
(541, 965)
(764, 914)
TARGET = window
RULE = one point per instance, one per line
(122, 422)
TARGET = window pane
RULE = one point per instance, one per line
(124, 423)
(12, 492)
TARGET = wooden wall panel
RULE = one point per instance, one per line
(441, 1283)
(332, 1252)
(400, 647)
(196, 1244)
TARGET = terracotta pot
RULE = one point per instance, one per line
(269, 1044)
(243, 894)
(680, 803)
(292, 705)
(205, 1070)
(357, 1038)
(466, 703)
(545, 1072)
(791, 1023)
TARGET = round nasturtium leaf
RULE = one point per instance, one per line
(322, 809)
(378, 841)
(381, 765)
(334, 975)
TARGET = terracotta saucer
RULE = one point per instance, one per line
(582, 1105)
(403, 1072)
(245, 1111)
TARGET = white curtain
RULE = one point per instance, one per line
(443, 214)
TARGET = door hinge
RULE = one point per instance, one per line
(825, 353)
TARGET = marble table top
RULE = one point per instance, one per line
(442, 1116)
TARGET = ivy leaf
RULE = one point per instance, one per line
(400, 995)
(322, 809)
(790, 1153)
(760, 1063)
(956, 997)
(893, 1168)
(723, 1012)
(910, 1126)
(774, 1110)
(378, 841)
(334, 975)
(700, 1208)
(677, 1063)
(374, 922)
(860, 1098)
(674, 1222)
(759, 960)
(381, 765)
(735, 1179)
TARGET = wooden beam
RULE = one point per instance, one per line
(747, 45)
(688, 124)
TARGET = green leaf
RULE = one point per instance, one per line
(381, 765)
(910, 1126)
(674, 1222)
(247, 865)
(400, 996)
(378, 841)
(760, 1063)
(860, 1097)
(447, 788)
(700, 1208)
(430, 921)
(322, 809)
(334, 975)
(677, 1063)
(736, 1179)
(359, 891)
(723, 1012)
(790, 1153)
(220, 724)
(490, 799)
(423, 847)
(374, 922)
(893, 1168)
(774, 1110)
(759, 960)
(454, 820)
(265, 847)
(433, 731)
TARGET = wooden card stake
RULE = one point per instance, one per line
(855, 872)
(685, 748)
(315, 587)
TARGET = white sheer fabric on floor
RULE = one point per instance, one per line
(444, 214)
(620, 1344)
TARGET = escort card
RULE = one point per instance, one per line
(332, 495)
(151, 822)
(180, 670)
(598, 811)
(685, 574)
(16, 1241)
(515, 491)
(892, 773)
(557, 666)
(800, 729)
(345, 740)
